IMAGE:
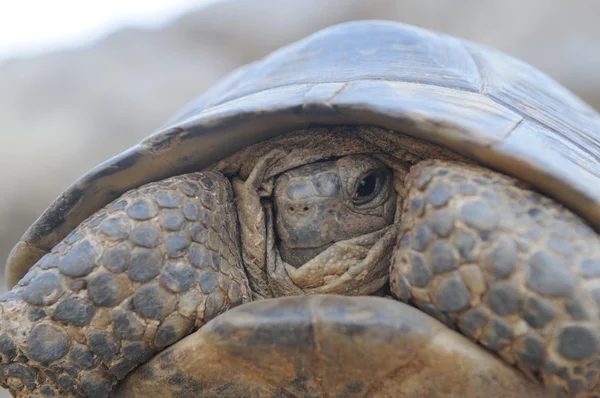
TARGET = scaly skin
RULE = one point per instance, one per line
(511, 269)
(135, 277)
(164, 259)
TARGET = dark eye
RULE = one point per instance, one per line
(367, 188)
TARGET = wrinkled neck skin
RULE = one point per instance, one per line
(355, 266)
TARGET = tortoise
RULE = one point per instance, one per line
(391, 211)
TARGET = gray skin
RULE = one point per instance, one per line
(497, 202)
(322, 203)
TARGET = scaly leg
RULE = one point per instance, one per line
(135, 277)
(510, 268)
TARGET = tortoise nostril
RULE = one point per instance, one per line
(300, 210)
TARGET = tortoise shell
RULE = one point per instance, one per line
(471, 99)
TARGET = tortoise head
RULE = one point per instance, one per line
(319, 208)
(322, 203)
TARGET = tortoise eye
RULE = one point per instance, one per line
(368, 188)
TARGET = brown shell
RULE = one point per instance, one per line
(473, 100)
(326, 346)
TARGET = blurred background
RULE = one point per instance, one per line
(80, 81)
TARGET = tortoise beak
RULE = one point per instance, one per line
(321, 346)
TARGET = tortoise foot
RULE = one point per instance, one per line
(513, 270)
(134, 278)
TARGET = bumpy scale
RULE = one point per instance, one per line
(135, 277)
(508, 267)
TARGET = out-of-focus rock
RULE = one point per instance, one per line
(63, 113)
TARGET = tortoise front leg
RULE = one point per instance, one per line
(510, 268)
(135, 277)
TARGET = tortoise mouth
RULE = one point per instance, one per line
(298, 256)
(356, 266)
